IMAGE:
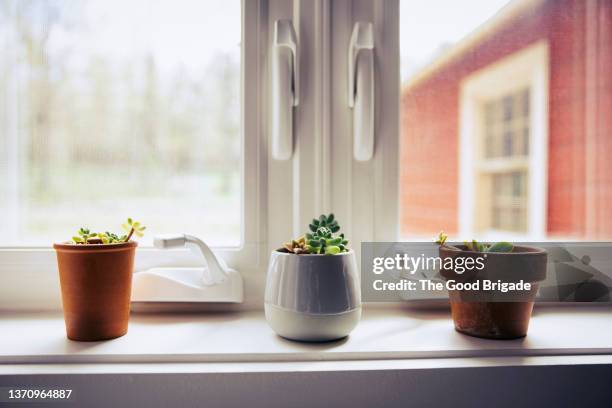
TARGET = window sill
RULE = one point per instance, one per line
(383, 334)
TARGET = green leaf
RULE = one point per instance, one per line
(312, 227)
(129, 221)
(442, 237)
(334, 241)
(314, 243)
(501, 247)
(335, 228)
(332, 250)
(330, 218)
(77, 240)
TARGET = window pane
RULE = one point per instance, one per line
(498, 98)
(509, 202)
(113, 109)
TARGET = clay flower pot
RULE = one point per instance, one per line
(494, 314)
(96, 282)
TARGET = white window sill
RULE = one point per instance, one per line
(229, 338)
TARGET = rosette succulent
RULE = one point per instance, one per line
(322, 238)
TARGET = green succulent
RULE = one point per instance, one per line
(85, 236)
(442, 237)
(483, 247)
(479, 246)
(133, 227)
(322, 238)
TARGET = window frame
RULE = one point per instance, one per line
(526, 68)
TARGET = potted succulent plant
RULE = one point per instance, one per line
(95, 271)
(312, 287)
(494, 300)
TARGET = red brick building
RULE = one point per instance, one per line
(510, 130)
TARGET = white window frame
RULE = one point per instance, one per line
(528, 67)
(365, 195)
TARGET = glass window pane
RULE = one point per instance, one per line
(495, 82)
(525, 134)
(509, 201)
(120, 109)
(507, 103)
(508, 136)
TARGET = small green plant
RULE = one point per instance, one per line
(85, 236)
(442, 237)
(321, 239)
(133, 228)
(479, 246)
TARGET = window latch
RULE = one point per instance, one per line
(361, 89)
(215, 282)
(285, 88)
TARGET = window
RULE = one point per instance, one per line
(109, 114)
(504, 147)
(506, 126)
(490, 119)
(506, 137)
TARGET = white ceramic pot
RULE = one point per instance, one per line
(313, 297)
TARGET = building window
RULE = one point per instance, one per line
(509, 201)
(506, 129)
(503, 147)
(506, 149)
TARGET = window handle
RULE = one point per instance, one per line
(216, 272)
(285, 88)
(214, 283)
(361, 89)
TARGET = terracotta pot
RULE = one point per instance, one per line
(492, 314)
(96, 282)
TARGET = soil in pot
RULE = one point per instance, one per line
(96, 284)
(492, 314)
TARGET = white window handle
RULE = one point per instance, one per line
(285, 88)
(361, 89)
